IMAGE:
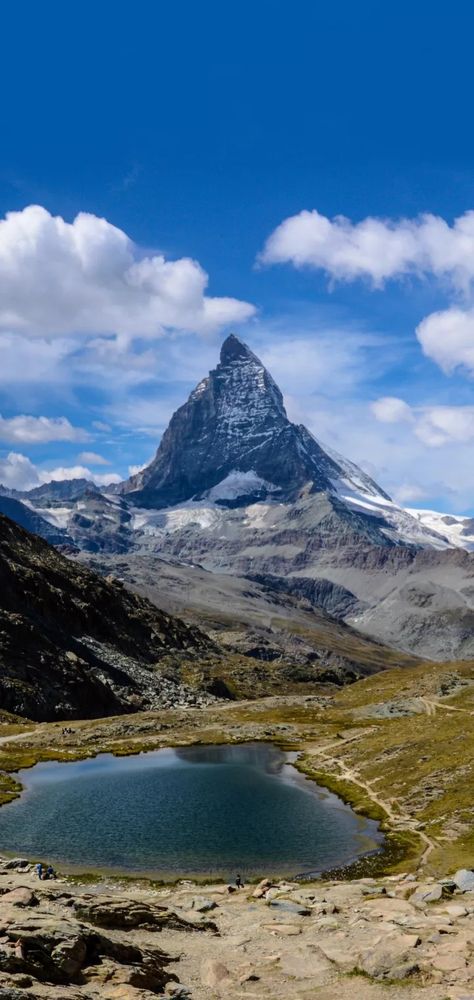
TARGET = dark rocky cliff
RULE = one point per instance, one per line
(73, 644)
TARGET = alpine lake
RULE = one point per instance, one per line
(208, 811)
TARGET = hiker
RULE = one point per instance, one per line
(39, 870)
(50, 872)
(238, 882)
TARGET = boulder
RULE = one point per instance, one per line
(126, 914)
(426, 894)
(64, 951)
(448, 962)
(20, 897)
(391, 959)
(464, 880)
(262, 888)
(69, 956)
(16, 863)
(306, 962)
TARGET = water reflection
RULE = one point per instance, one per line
(190, 810)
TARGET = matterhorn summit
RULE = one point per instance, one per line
(233, 434)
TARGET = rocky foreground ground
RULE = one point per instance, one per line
(387, 938)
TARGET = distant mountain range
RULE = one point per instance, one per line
(238, 489)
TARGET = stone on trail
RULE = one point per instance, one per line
(464, 880)
(306, 962)
(338, 951)
(289, 907)
(426, 894)
(391, 962)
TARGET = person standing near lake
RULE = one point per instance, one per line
(238, 882)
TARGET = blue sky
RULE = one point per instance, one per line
(225, 140)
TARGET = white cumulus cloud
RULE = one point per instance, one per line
(447, 337)
(376, 249)
(39, 430)
(88, 277)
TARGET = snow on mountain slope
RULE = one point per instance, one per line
(457, 529)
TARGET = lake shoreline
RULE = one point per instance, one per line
(398, 846)
(275, 761)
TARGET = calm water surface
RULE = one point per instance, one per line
(206, 810)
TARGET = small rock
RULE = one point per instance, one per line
(214, 973)
(201, 904)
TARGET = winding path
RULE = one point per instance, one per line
(398, 820)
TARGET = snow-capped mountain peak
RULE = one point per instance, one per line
(234, 421)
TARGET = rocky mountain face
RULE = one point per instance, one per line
(232, 435)
(73, 644)
(237, 489)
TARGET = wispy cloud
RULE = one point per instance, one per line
(92, 458)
